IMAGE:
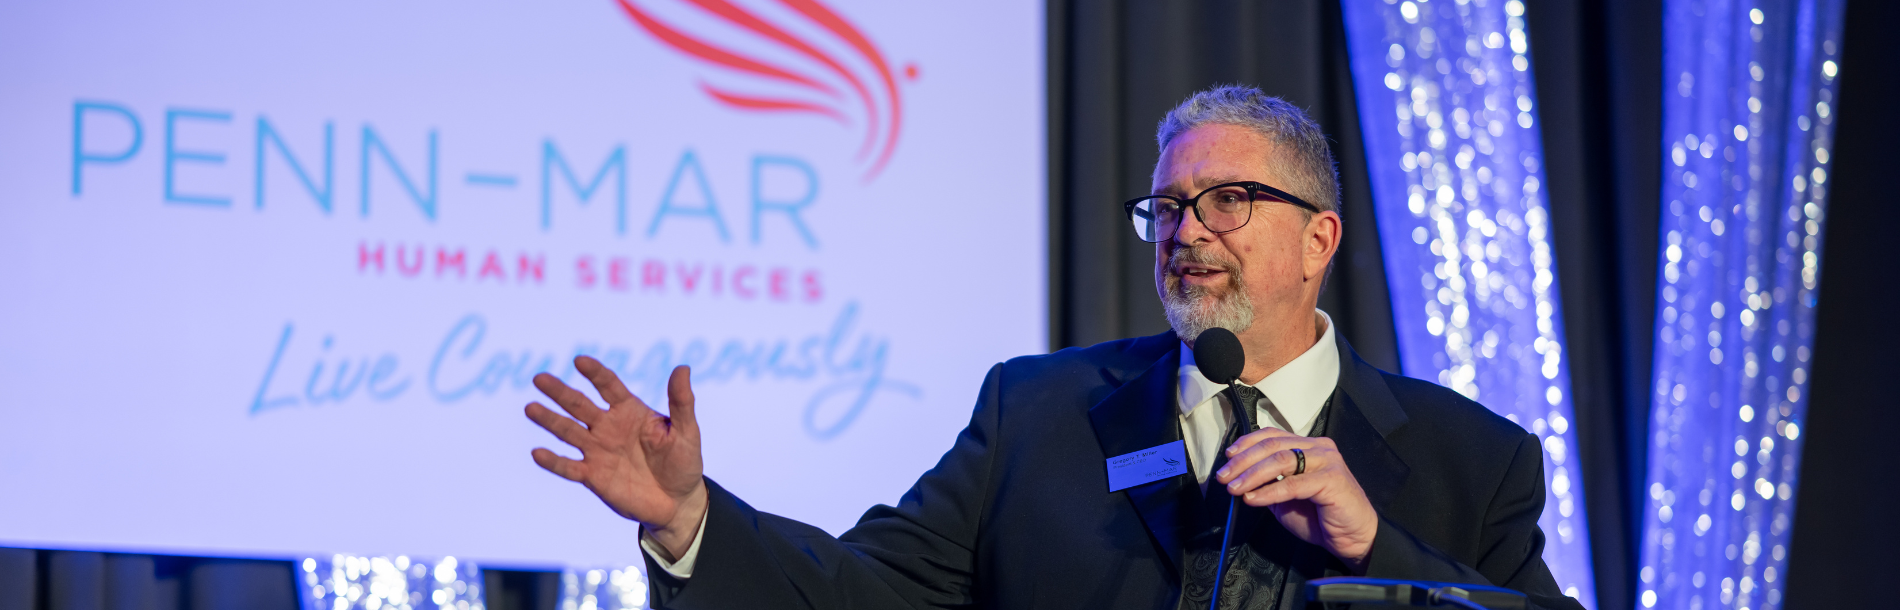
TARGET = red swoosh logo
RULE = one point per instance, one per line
(883, 114)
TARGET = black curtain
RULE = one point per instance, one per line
(1599, 84)
(79, 580)
(1845, 530)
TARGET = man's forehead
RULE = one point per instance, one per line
(1210, 155)
(1192, 178)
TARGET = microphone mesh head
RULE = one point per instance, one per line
(1218, 354)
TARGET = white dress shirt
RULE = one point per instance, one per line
(683, 568)
(1299, 390)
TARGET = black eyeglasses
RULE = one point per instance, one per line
(1157, 217)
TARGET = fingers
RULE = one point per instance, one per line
(1241, 458)
(1266, 471)
(1271, 480)
(570, 399)
(560, 466)
(604, 380)
(679, 398)
(563, 428)
(1302, 487)
(1271, 462)
(1256, 437)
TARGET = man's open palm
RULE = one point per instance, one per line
(644, 465)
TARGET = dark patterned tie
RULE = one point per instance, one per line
(1251, 579)
(1249, 404)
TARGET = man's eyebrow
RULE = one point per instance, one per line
(1208, 182)
(1201, 183)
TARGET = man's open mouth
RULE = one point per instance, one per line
(1198, 271)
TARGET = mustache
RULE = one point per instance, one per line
(1201, 256)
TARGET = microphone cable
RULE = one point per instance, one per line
(1245, 419)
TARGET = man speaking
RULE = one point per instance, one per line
(1102, 477)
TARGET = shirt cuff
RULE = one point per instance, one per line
(683, 567)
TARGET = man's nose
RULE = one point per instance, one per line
(1191, 230)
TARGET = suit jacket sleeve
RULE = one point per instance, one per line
(1511, 547)
(919, 554)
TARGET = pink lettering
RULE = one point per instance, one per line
(653, 275)
(775, 284)
(365, 256)
(813, 291)
(689, 279)
(491, 266)
(617, 274)
(535, 266)
(444, 260)
(739, 286)
(403, 265)
(584, 272)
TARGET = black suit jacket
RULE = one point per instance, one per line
(1018, 513)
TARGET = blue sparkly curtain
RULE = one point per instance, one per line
(1747, 118)
(609, 588)
(1449, 114)
(347, 582)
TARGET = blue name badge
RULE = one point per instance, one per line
(1147, 466)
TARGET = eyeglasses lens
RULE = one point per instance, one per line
(1221, 210)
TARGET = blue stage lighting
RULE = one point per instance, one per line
(349, 582)
(1449, 112)
(1747, 128)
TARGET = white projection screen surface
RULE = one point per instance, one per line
(277, 275)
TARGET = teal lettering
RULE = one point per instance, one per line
(258, 402)
(468, 332)
(427, 202)
(81, 156)
(792, 208)
(173, 156)
(616, 162)
(323, 195)
(378, 375)
(710, 210)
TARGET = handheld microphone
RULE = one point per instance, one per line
(1217, 352)
(1220, 357)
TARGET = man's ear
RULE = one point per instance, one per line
(1321, 239)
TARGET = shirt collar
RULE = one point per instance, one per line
(1299, 389)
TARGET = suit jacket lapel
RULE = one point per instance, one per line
(1138, 415)
(1362, 414)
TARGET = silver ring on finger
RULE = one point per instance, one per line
(1299, 462)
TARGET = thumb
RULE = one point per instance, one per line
(679, 399)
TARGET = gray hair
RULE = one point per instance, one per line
(1301, 156)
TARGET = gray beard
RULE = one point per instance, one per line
(1190, 310)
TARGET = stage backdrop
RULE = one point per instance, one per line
(277, 275)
